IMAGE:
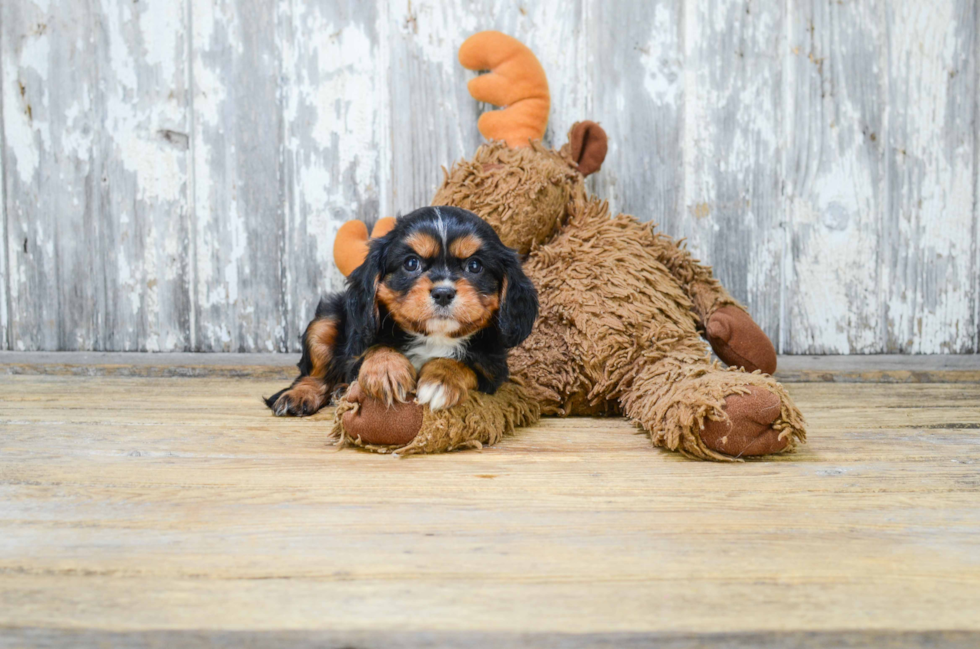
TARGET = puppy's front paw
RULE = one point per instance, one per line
(387, 375)
(303, 398)
(444, 382)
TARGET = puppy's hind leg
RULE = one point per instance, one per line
(311, 389)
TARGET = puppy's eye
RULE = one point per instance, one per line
(474, 266)
(412, 264)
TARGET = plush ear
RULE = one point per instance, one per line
(362, 299)
(588, 144)
(518, 304)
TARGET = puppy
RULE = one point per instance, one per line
(431, 311)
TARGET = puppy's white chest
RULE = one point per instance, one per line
(422, 349)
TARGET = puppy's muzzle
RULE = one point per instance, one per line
(443, 295)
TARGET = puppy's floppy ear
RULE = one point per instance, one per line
(518, 303)
(362, 300)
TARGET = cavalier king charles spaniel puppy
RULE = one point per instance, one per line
(431, 311)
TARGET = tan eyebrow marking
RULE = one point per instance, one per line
(465, 246)
(424, 244)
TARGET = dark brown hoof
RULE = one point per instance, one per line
(375, 423)
(748, 430)
(739, 341)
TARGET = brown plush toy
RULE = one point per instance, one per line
(622, 312)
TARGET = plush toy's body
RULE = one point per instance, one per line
(622, 309)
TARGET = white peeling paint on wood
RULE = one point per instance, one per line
(333, 94)
(932, 157)
(175, 173)
(95, 186)
(733, 94)
(834, 175)
(144, 209)
(975, 271)
(238, 185)
(51, 171)
(643, 58)
(4, 239)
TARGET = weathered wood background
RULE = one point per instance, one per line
(174, 171)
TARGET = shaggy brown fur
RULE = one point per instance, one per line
(480, 419)
(622, 308)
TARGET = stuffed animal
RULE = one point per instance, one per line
(622, 307)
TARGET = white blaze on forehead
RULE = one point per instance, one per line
(441, 227)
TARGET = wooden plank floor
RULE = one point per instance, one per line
(176, 511)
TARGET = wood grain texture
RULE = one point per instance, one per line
(4, 240)
(174, 175)
(239, 185)
(335, 140)
(95, 147)
(733, 84)
(180, 505)
(643, 58)
(931, 224)
(882, 368)
(835, 182)
(402, 639)
(52, 169)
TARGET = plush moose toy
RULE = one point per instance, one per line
(622, 307)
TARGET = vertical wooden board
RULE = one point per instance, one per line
(335, 143)
(930, 283)
(54, 176)
(144, 205)
(4, 240)
(433, 118)
(732, 197)
(834, 179)
(638, 98)
(976, 185)
(237, 149)
(96, 188)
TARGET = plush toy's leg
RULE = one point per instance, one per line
(710, 413)
(734, 336)
(409, 428)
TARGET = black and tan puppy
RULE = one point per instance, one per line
(431, 311)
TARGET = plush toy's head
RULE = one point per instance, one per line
(524, 193)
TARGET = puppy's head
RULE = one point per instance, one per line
(444, 272)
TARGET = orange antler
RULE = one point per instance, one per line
(516, 82)
(350, 247)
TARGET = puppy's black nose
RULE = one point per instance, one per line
(443, 295)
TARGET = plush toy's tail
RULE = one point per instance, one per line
(516, 82)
